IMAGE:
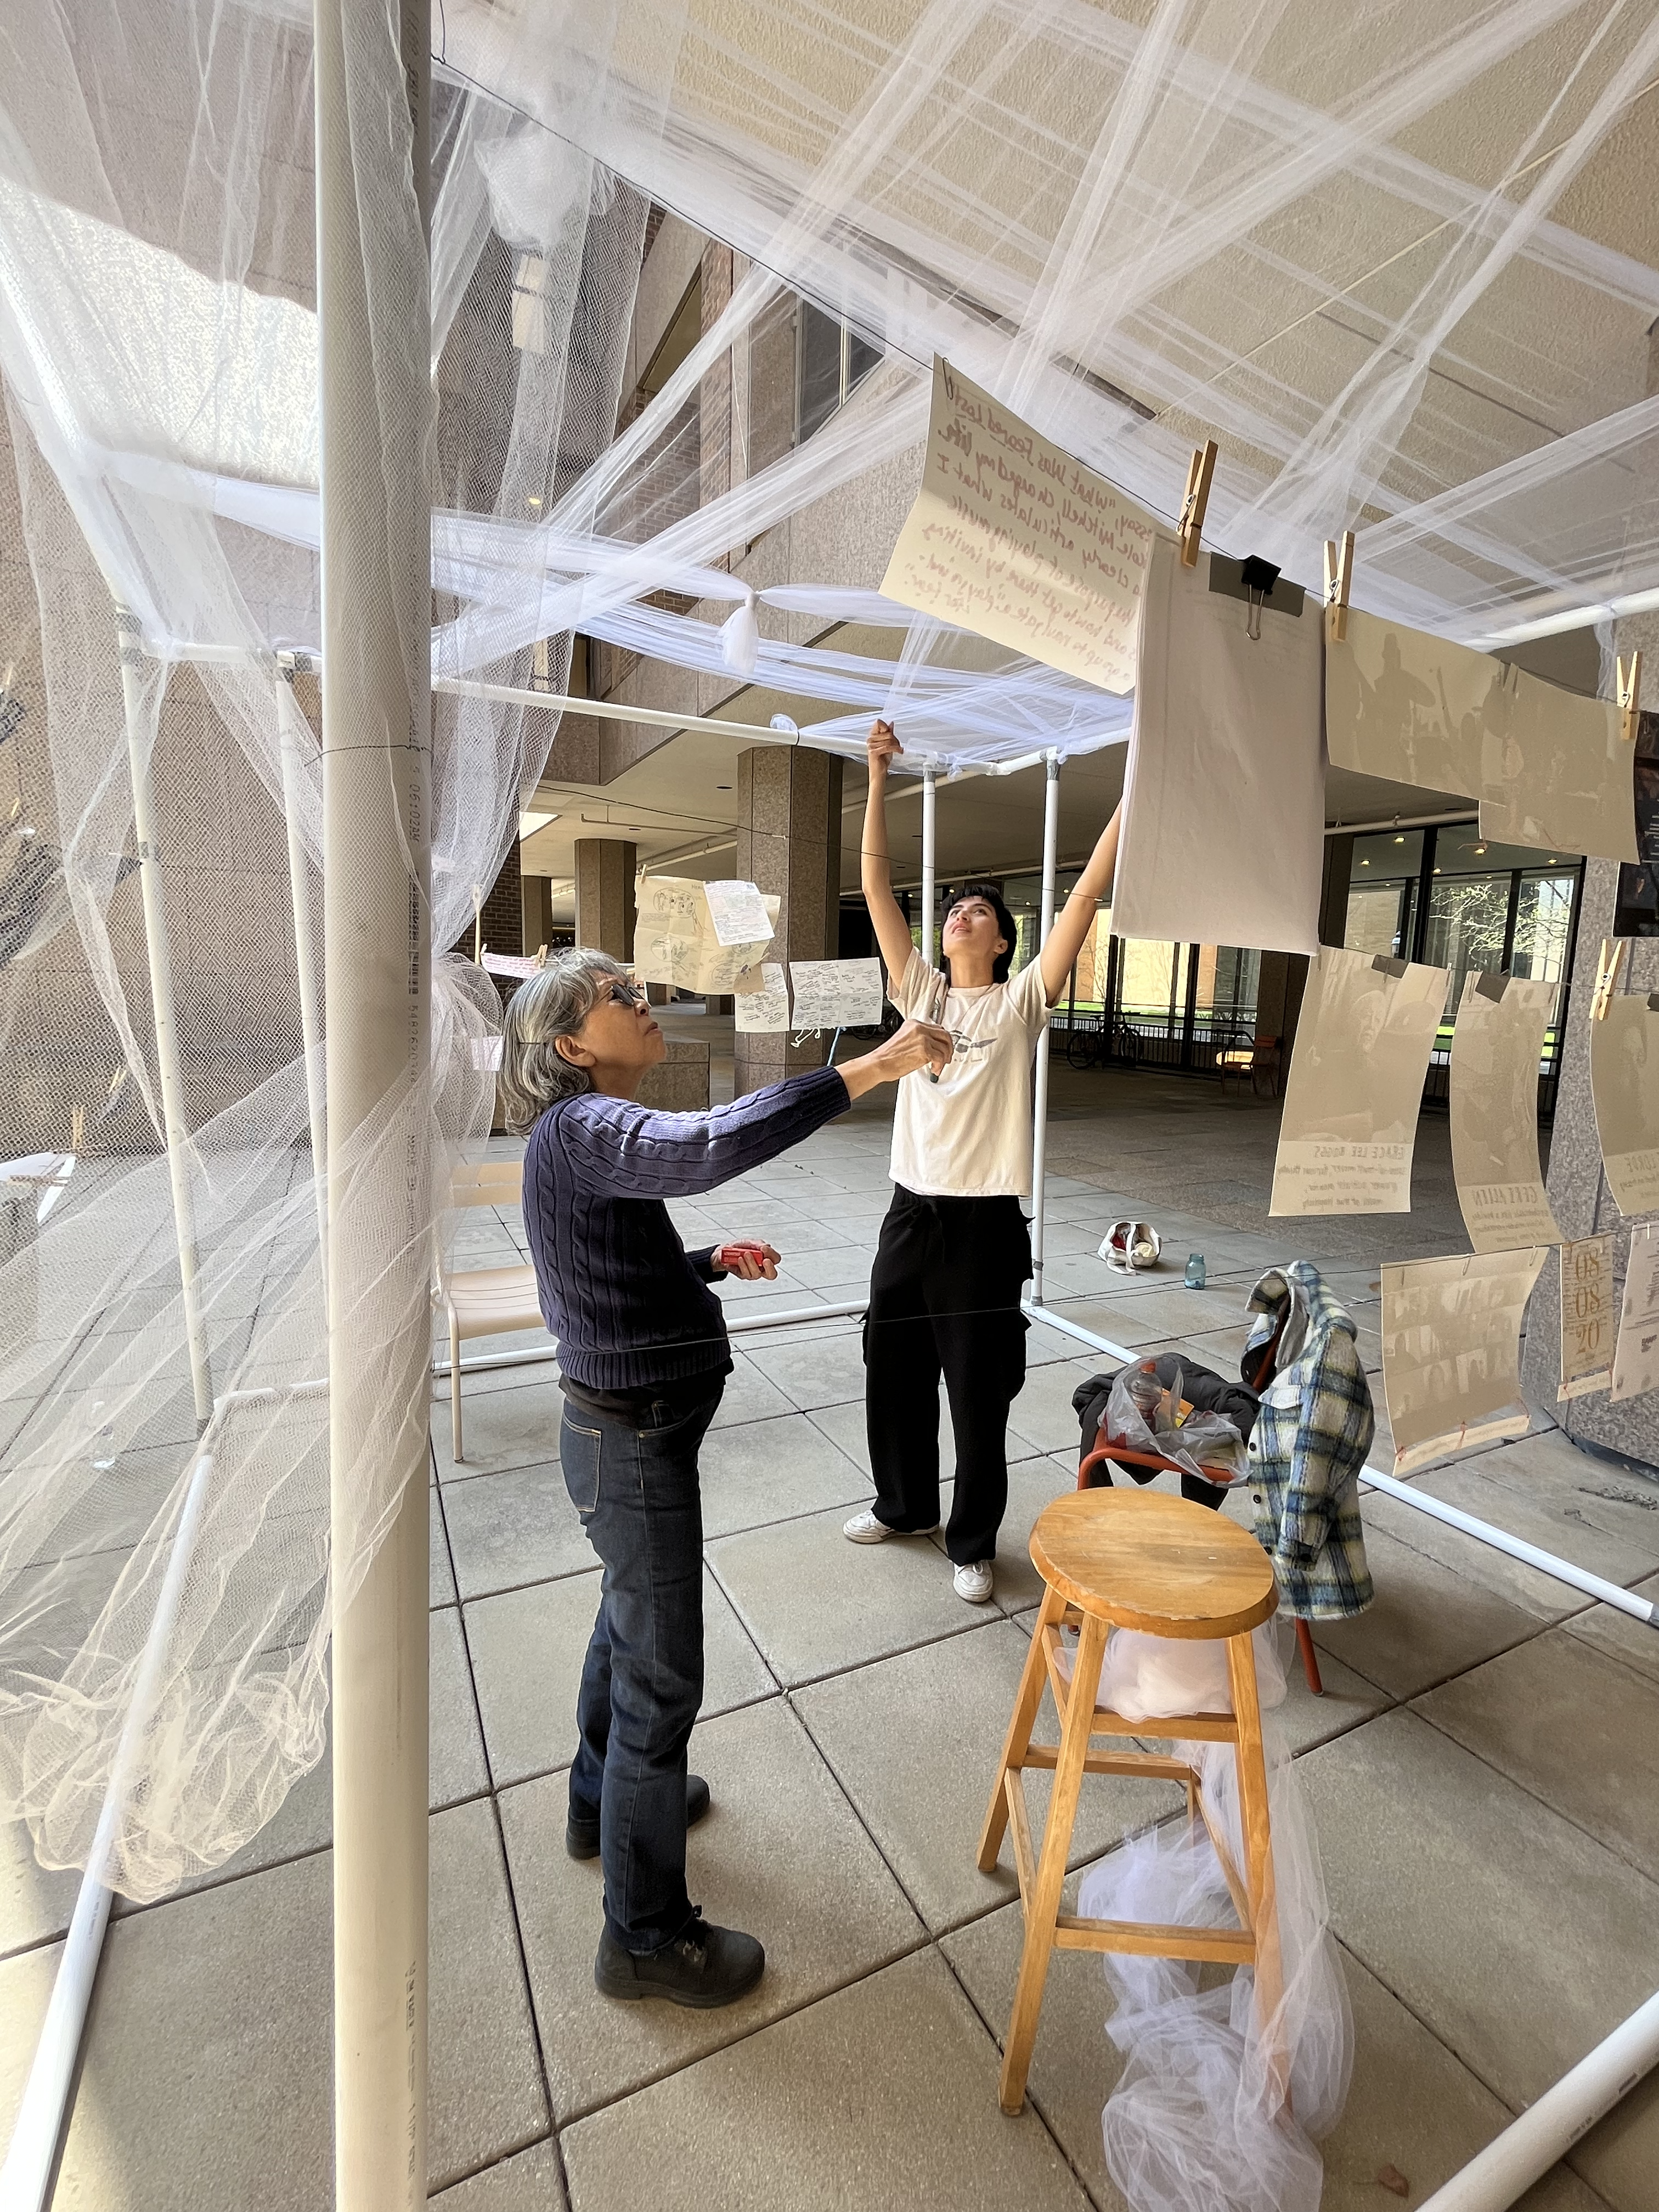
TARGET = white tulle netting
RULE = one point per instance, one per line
(1217, 2109)
(1136, 226)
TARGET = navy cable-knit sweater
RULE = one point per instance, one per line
(628, 1304)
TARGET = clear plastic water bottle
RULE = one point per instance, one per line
(1195, 1271)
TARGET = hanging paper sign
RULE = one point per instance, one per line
(676, 940)
(1588, 1316)
(1625, 1084)
(510, 963)
(1496, 1051)
(766, 1012)
(1635, 1357)
(1401, 704)
(1451, 1351)
(1355, 1087)
(737, 912)
(1557, 771)
(1011, 537)
(836, 994)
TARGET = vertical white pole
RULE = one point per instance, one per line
(1040, 1096)
(375, 334)
(292, 723)
(159, 950)
(929, 826)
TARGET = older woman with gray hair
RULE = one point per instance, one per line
(644, 1356)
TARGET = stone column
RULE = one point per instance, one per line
(605, 895)
(789, 841)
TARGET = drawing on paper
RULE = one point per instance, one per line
(836, 994)
(766, 1012)
(675, 939)
(1401, 704)
(1451, 1351)
(1496, 1047)
(1355, 1087)
(1011, 537)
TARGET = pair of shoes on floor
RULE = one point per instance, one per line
(972, 1582)
(581, 1834)
(703, 1968)
(1129, 1246)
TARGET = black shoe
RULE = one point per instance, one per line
(581, 1835)
(705, 1967)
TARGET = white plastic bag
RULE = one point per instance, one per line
(1143, 1415)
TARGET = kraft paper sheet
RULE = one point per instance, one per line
(1495, 1050)
(1451, 1351)
(1588, 1316)
(1625, 1084)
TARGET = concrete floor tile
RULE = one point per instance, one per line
(913, 1741)
(506, 1530)
(1572, 1726)
(768, 1471)
(25, 1992)
(882, 2097)
(208, 2077)
(527, 1649)
(1412, 2106)
(815, 1603)
(1621, 2157)
(1033, 1483)
(844, 1270)
(749, 1397)
(1581, 1492)
(1041, 1416)
(781, 1854)
(35, 1901)
(1553, 1527)
(506, 1428)
(844, 1425)
(1426, 1623)
(1516, 1939)
(529, 2181)
(441, 1588)
(827, 1370)
(1618, 1634)
(1116, 1319)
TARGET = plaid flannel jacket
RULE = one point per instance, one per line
(1310, 1443)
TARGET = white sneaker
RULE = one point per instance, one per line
(865, 1528)
(973, 1583)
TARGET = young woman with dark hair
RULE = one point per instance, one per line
(954, 1250)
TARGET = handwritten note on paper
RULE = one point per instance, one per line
(1011, 537)
(1352, 1099)
(675, 938)
(511, 964)
(836, 995)
(1496, 1051)
(1625, 1084)
(766, 1012)
(737, 912)
(1451, 1351)
(1635, 1357)
(1587, 1316)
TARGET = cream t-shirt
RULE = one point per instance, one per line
(968, 1135)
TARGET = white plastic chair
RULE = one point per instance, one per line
(488, 1301)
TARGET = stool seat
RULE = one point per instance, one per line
(1140, 1560)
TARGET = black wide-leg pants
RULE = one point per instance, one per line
(945, 1294)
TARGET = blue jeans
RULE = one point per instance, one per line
(632, 1477)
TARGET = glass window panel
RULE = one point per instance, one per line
(819, 386)
(1543, 928)
(1378, 919)
(1467, 915)
(861, 358)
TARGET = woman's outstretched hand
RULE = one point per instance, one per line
(917, 1045)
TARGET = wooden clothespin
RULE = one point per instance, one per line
(477, 926)
(1339, 580)
(1200, 470)
(541, 956)
(1607, 974)
(77, 1129)
(1630, 696)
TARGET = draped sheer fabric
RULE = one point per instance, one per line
(1243, 216)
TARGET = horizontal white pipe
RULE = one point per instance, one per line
(1401, 822)
(1546, 2131)
(739, 1325)
(610, 710)
(1578, 1578)
(1546, 1563)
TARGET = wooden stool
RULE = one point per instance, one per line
(1135, 1560)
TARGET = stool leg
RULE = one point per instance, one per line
(1032, 1684)
(1258, 1855)
(1042, 1906)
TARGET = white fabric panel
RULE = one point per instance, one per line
(1223, 802)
